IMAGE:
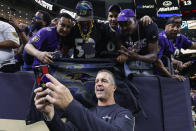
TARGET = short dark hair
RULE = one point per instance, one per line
(172, 19)
(115, 8)
(66, 15)
(46, 17)
(110, 73)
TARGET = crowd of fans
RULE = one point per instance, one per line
(136, 44)
(193, 100)
(148, 52)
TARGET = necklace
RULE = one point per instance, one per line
(87, 36)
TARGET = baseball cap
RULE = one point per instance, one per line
(84, 11)
(125, 14)
(114, 7)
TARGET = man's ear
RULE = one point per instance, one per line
(114, 87)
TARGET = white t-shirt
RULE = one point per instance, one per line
(7, 32)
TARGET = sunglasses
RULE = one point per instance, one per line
(84, 12)
(38, 18)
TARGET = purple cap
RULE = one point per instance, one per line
(114, 7)
(125, 14)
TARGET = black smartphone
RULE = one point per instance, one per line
(40, 75)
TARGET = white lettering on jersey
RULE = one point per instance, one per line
(106, 117)
(85, 48)
(111, 46)
(139, 44)
(79, 47)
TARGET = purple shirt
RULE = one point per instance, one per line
(168, 47)
(45, 39)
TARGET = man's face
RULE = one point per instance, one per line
(104, 88)
(173, 29)
(128, 27)
(39, 18)
(85, 24)
(64, 26)
(112, 18)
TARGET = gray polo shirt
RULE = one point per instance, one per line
(7, 32)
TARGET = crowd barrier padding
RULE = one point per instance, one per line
(15, 94)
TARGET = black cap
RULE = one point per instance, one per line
(114, 7)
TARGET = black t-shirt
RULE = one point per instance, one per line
(108, 46)
(141, 38)
(105, 118)
(89, 49)
(99, 45)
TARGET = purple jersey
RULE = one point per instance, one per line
(47, 39)
(168, 47)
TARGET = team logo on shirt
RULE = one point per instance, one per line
(48, 29)
(126, 116)
(106, 118)
(139, 45)
(15, 34)
(35, 39)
